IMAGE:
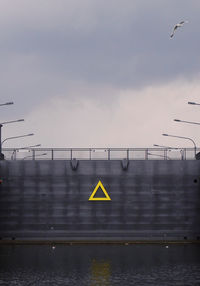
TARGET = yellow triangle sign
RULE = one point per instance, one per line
(106, 198)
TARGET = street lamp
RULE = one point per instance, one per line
(167, 147)
(14, 137)
(158, 155)
(1, 125)
(28, 147)
(193, 103)
(195, 147)
(190, 122)
(12, 121)
(23, 148)
(7, 103)
(43, 154)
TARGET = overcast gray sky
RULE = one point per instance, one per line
(92, 73)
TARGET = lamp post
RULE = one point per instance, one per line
(23, 148)
(158, 155)
(43, 154)
(28, 147)
(182, 137)
(171, 148)
(12, 121)
(1, 125)
(14, 137)
(7, 103)
(1, 155)
(190, 122)
(167, 147)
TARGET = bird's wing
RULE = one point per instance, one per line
(182, 22)
(174, 31)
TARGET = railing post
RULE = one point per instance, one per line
(33, 154)
(71, 153)
(1, 154)
(127, 154)
(90, 153)
(13, 156)
(108, 153)
(183, 154)
(146, 154)
(165, 154)
(51, 154)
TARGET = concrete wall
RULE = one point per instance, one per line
(151, 200)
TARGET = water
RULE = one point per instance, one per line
(99, 265)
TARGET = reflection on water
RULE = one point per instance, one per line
(100, 273)
(97, 265)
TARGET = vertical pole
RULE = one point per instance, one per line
(51, 154)
(165, 154)
(146, 154)
(109, 154)
(185, 154)
(182, 154)
(1, 155)
(0, 139)
(13, 156)
(33, 154)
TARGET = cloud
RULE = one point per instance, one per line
(135, 118)
(119, 43)
(96, 73)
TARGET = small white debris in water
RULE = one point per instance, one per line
(52, 227)
(126, 243)
(53, 247)
(166, 246)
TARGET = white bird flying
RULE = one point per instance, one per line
(178, 26)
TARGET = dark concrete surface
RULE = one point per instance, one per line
(150, 201)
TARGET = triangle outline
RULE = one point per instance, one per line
(106, 198)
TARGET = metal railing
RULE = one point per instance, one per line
(99, 153)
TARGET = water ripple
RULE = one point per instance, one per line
(100, 265)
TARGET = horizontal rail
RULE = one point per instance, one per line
(101, 153)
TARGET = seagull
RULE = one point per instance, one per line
(178, 26)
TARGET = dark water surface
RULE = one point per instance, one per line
(100, 265)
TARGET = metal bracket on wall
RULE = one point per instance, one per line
(125, 163)
(74, 164)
